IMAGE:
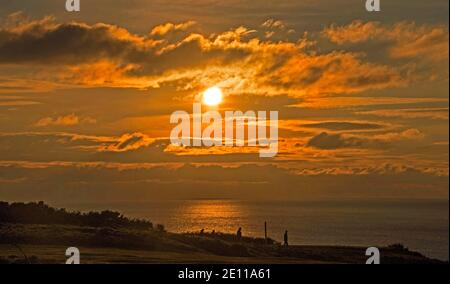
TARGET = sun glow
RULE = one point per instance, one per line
(213, 96)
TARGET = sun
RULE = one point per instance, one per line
(212, 96)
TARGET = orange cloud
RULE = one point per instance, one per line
(335, 126)
(128, 142)
(431, 113)
(101, 54)
(408, 40)
(409, 134)
(272, 23)
(345, 102)
(67, 120)
(329, 141)
(164, 29)
(335, 73)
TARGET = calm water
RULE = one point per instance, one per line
(420, 225)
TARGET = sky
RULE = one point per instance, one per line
(86, 98)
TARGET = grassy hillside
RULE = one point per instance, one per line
(47, 244)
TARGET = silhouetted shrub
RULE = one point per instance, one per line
(40, 213)
(399, 247)
(160, 228)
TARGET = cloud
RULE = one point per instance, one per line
(409, 113)
(408, 40)
(67, 120)
(343, 125)
(335, 73)
(149, 182)
(47, 42)
(408, 134)
(166, 28)
(327, 141)
(128, 142)
(214, 150)
(333, 141)
(12, 103)
(272, 23)
(352, 102)
(23, 85)
(108, 55)
(50, 146)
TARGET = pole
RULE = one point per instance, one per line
(265, 231)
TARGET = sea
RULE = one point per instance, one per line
(420, 225)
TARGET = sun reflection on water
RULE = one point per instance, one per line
(219, 215)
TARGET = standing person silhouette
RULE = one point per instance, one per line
(239, 233)
(286, 239)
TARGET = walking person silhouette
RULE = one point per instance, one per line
(286, 239)
(239, 233)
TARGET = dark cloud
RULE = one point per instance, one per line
(81, 182)
(38, 146)
(343, 125)
(45, 41)
(128, 142)
(384, 141)
(333, 141)
(127, 148)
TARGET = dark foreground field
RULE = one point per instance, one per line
(28, 243)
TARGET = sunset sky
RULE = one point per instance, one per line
(86, 98)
